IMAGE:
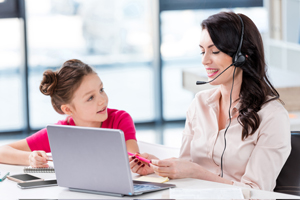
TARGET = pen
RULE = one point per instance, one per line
(3, 175)
(140, 158)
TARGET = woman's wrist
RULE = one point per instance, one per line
(197, 171)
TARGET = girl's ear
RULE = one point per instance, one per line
(66, 109)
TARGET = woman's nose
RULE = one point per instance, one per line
(206, 59)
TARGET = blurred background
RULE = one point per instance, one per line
(145, 51)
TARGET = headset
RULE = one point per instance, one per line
(238, 59)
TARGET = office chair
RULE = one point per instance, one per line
(288, 180)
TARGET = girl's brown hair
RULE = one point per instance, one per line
(60, 85)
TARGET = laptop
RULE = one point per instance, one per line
(95, 160)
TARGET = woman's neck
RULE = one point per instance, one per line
(226, 90)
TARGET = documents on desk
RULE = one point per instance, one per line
(214, 193)
(152, 179)
(49, 169)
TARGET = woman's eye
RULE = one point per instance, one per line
(202, 53)
(216, 52)
(91, 98)
(102, 90)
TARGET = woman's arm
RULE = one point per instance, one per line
(178, 168)
(271, 151)
(15, 153)
(264, 164)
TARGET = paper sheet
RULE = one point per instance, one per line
(212, 193)
(152, 179)
(50, 163)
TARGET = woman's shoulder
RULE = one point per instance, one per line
(275, 123)
(273, 116)
(206, 93)
(206, 96)
(202, 99)
(273, 107)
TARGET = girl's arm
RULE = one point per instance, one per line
(132, 146)
(19, 153)
(15, 153)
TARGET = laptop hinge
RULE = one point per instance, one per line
(96, 192)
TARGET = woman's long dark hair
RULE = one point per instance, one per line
(225, 31)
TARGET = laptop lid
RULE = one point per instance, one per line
(94, 160)
(90, 158)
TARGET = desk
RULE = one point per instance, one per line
(9, 189)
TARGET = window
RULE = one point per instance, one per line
(180, 33)
(11, 82)
(114, 37)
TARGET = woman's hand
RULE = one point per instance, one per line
(38, 159)
(174, 168)
(140, 167)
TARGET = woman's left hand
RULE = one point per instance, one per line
(174, 168)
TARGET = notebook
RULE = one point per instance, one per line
(49, 169)
(152, 179)
(101, 154)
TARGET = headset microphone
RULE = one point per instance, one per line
(204, 82)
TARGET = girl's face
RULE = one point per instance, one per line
(215, 61)
(89, 104)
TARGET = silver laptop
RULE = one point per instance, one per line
(95, 160)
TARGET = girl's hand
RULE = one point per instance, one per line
(174, 168)
(38, 159)
(140, 167)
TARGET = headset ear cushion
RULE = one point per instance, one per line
(239, 60)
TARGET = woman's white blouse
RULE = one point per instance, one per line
(254, 162)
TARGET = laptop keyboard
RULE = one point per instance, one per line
(144, 187)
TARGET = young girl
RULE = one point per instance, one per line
(77, 91)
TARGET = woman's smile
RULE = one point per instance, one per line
(211, 71)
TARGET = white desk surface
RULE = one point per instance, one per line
(10, 190)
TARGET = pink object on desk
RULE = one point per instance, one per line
(140, 158)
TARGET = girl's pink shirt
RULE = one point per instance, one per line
(117, 119)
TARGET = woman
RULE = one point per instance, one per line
(258, 138)
(77, 91)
